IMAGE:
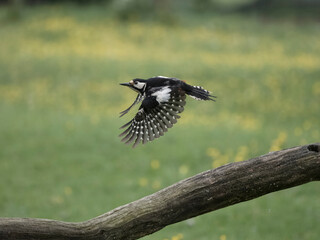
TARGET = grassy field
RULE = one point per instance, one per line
(60, 155)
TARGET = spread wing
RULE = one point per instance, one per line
(136, 101)
(154, 118)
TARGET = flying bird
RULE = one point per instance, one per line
(163, 98)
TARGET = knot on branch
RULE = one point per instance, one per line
(314, 147)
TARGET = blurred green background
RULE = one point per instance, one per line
(60, 67)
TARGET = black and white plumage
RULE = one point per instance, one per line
(162, 99)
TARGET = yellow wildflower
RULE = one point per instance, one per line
(223, 159)
(223, 237)
(155, 164)
(213, 152)
(241, 154)
(143, 182)
(278, 142)
(183, 169)
(177, 237)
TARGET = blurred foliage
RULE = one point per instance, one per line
(133, 9)
(38, 2)
(168, 12)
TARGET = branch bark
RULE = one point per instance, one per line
(202, 193)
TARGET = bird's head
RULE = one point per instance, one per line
(136, 84)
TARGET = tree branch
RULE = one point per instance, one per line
(202, 193)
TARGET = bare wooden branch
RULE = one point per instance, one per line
(202, 193)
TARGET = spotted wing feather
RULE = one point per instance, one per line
(151, 123)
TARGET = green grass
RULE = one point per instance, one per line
(60, 157)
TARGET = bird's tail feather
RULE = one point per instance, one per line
(199, 93)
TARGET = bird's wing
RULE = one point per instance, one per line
(136, 101)
(154, 118)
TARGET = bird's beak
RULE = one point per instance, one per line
(129, 84)
(125, 84)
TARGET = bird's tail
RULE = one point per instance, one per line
(198, 93)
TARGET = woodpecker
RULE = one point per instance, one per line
(163, 98)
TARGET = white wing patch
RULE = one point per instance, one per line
(162, 95)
